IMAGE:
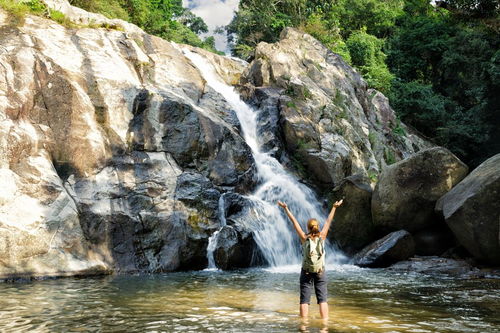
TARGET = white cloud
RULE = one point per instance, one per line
(215, 13)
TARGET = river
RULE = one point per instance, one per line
(255, 300)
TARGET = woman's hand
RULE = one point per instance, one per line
(282, 204)
(338, 203)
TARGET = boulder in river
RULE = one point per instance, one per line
(352, 227)
(384, 252)
(472, 211)
(407, 191)
(437, 265)
(236, 246)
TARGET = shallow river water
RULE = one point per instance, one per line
(257, 300)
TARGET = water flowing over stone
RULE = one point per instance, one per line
(273, 232)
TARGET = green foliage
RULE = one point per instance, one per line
(366, 54)
(447, 84)
(109, 8)
(164, 18)
(398, 129)
(16, 10)
(19, 9)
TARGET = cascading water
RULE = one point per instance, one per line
(273, 233)
(212, 241)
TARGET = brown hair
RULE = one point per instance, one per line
(313, 227)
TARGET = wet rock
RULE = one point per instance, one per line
(236, 248)
(352, 227)
(433, 241)
(267, 102)
(406, 193)
(384, 252)
(437, 265)
(472, 211)
(197, 191)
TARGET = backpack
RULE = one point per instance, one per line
(313, 255)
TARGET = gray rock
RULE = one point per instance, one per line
(436, 265)
(406, 193)
(352, 227)
(434, 241)
(236, 248)
(384, 252)
(472, 211)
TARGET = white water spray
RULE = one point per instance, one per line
(273, 232)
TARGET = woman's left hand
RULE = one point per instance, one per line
(338, 203)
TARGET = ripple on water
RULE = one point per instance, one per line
(254, 300)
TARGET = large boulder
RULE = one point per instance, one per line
(236, 249)
(386, 251)
(352, 227)
(406, 193)
(236, 246)
(472, 211)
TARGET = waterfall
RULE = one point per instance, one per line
(212, 241)
(273, 232)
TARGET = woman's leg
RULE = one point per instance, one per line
(304, 310)
(306, 285)
(323, 310)
(320, 288)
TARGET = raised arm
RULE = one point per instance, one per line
(292, 218)
(326, 227)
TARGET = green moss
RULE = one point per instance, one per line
(307, 93)
(195, 220)
(373, 175)
(390, 158)
(372, 137)
(291, 104)
(398, 130)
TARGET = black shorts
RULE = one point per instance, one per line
(310, 280)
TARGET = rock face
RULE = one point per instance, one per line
(472, 211)
(384, 252)
(405, 196)
(352, 227)
(114, 150)
(332, 125)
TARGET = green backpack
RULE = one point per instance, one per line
(313, 252)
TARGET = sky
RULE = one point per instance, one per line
(215, 13)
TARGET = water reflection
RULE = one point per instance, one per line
(250, 301)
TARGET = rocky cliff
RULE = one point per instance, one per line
(115, 152)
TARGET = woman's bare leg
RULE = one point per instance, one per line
(323, 310)
(304, 310)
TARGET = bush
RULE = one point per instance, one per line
(366, 55)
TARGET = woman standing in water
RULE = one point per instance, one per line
(313, 272)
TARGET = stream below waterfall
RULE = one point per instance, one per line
(255, 300)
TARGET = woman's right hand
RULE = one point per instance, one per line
(282, 204)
